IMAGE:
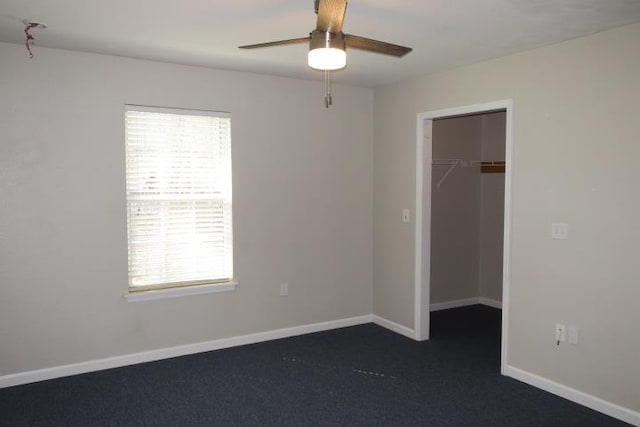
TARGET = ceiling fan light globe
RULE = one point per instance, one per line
(327, 58)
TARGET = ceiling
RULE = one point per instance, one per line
(443, 33)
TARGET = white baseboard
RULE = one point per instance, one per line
(464, 302)
(577, 396)
(395, 327)
(595, 403)
(490, 302)
(182, 350)
(437, 306)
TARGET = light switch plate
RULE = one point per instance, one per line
(559, 231)
(406, 215)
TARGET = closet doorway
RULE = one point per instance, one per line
(463, 211)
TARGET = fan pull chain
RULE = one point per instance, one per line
(327, 89)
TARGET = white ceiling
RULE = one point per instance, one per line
(443, 33)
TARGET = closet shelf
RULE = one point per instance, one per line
(496, 166)
(492, 167)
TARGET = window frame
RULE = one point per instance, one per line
(186, 287)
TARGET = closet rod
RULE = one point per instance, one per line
(491, 166)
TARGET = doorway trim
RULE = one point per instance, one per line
(424, 145)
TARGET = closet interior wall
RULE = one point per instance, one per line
(467, 209)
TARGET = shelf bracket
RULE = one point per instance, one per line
(447, 173)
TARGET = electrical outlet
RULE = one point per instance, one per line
(284, 289)
(561, 333)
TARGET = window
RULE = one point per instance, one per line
(178, 174)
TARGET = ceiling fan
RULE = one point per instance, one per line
(327, 43)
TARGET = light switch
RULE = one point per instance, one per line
(559, 230)
(406, 215)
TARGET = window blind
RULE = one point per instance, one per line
(178, 179)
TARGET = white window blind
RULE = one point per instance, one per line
(178, 174)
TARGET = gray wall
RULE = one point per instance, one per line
(576, 148)
(455, 210)
(492, 208)
(302, 206)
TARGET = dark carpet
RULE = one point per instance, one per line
(358, 376)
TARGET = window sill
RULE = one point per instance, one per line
(179, 292)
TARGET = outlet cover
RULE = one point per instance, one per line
(561, 333)
(284, 289)
(573, 335)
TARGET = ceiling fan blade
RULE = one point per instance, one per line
(276, 43)
(362, 43)
(330, 15)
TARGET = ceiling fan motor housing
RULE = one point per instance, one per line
(327, 50)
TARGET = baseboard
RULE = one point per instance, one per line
(464, 302)
(592, 402)
(182, 350)
(595, 403)
(395, 327)
(490, 302)
(453, 304)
